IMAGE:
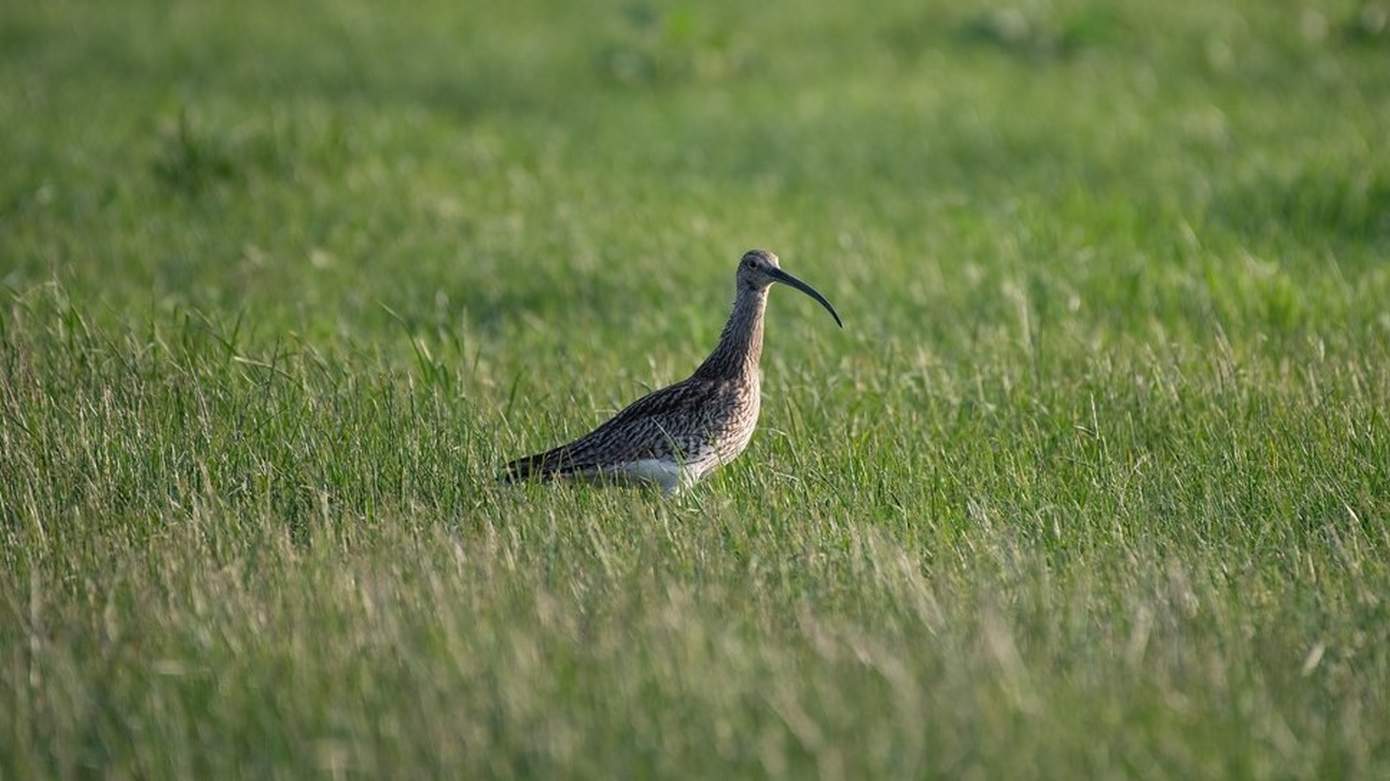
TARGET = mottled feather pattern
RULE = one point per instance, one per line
(690, 422)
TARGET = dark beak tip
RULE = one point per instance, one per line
(782, 276)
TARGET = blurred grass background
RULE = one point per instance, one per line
(1093, 483)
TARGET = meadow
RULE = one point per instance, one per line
(1094, 483)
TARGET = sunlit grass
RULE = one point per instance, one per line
(1095, 481)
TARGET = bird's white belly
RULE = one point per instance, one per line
(670, 475)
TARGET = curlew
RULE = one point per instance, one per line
(675, 436)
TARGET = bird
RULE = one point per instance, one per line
(676, 436)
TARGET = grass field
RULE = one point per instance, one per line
(1095, 482)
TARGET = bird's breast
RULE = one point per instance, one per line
(735, 429)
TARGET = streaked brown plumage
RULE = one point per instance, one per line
(675, 436)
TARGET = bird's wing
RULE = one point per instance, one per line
(657, 425)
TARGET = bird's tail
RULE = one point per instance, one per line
(540, 466)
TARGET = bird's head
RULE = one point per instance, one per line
(760, 268)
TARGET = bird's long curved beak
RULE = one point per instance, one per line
(782, 276)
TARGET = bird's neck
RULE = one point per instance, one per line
(741, 344)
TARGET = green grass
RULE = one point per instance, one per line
(1095, 482)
